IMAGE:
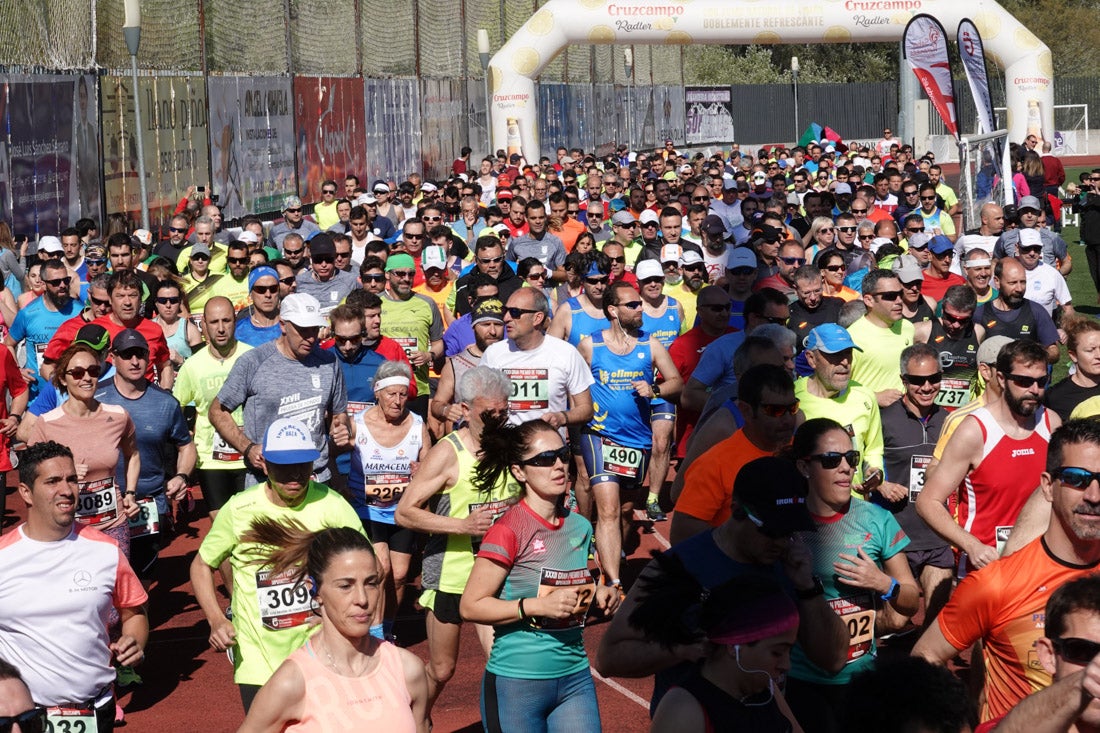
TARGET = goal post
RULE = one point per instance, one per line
(985, 175)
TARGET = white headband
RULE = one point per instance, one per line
(391, 382)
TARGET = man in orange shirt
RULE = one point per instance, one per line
(1002, 604)
(570, 228)
(765, 396)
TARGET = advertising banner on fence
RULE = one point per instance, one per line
(972, 53)
(393, 128)
(251, 143)
(443, 107)
(173, 116)
(708, 115)
(331, 142)
(925, 44)
(49, 167)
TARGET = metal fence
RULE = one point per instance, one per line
(766, 112)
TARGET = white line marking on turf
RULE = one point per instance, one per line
(620, 689)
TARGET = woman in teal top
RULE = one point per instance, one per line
(858, 557)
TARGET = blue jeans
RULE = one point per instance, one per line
(563, 705)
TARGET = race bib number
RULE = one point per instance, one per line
(147, 520)
(530, 389)
(220, 450)
(918, 466)
(953, 393)
(408, 344)
(497, 507)
(1001, 535)
(283, 603)
(620, 460)
(384, 489)
(39, 350)
(858, 615)
(97, 502)
(581, 580)
(355, 408)
(71, 720)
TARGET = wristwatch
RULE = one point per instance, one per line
(815, 590)
(892, 593)
(656, 390)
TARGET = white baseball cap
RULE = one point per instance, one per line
(50, 244)
(288, 441)
(647, 269)
(671, 253)
(648, 216)
(433, 256)
(303, 310)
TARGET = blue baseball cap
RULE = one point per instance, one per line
(939, 244)
(830, 338)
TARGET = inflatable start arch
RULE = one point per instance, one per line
(1025, 59)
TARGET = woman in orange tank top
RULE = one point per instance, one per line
(342, 679)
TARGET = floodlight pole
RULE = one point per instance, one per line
(131, 30)
(483, 54)
(628, 61)
(794, 76)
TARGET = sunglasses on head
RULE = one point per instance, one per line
(548, 458)
(1025, 382)
(831, 459)
(918, 380)
(1076, 651)
(1078, 478)
(776, 410)
(30, 721)
(78, 372)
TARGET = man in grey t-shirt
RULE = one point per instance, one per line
(547, 248)
(288, 377)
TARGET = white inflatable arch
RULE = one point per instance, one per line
(1025, 59)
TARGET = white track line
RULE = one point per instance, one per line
(620, 689)
(640, 516)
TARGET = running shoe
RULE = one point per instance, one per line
(653, 512)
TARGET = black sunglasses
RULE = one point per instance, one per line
(548, 458)
(59, 282)
(348, 339)
(831, 459)
(168, 300)
(1025, 382)
(321, 259)
(237, 260)
(596, 280)
(373, 278)
(287, 280)
(1076, 651)
(294, 252)
(519, 312)
(30, 721)
(918, 380)
(888, 295)
(1078, 478)
(265, 289)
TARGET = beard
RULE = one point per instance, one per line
(1022, 406)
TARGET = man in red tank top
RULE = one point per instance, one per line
(993, 460)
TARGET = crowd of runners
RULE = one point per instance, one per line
(467, 397)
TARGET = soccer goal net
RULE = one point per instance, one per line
(982, 166)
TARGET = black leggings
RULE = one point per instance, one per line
(1092, 255)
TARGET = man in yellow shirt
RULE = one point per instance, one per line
(881, 336)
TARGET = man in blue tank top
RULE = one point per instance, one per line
(582, 316)
(615, 444)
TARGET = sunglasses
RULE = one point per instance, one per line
(432, 218)
(944, 255)
(78, 372)
(536, 276)
(237, 260)
(833, 268)
(743, 271)
(703, 199)
(793, 260)
(412, 236)
(373, 278)
(204, 258)
(649, 224)
(1076, 651)
(59, 282)
(618, 260)
(95, 262)
(859, 211)
(775, 410)
(168, 300)
(128, 354)
(287, 280)
(831, 459)
(293, 211)
(914, 230)
(910, 193)
(490, 260)
(548, 458)
(177, 230)
(716, 307)
(596, 280)
(30, 721)
(319, 259)
(265, 289)
(1078, 478)
(769, 532)
(632, 304)
(866, 236)
(329, 191)
(348, 339)
(1025, 382)
(918, 380)
(343, 255)
(294, 252)
(404, 274)
(651, 280)
(888, 295)
(98, 301)
(516, 313)
(1032, 249)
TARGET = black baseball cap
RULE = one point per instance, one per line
(773, 494)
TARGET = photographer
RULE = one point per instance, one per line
(1087, 205)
